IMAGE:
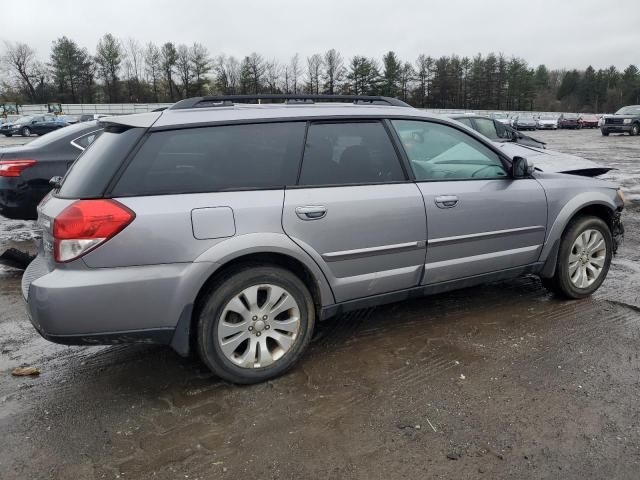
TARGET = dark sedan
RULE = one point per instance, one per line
(570, 120)
(25, 170)
(32, 124)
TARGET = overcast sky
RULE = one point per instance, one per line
(559, 33)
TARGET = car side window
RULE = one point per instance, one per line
(213, 159)
(440, 152)
(487, 127)
(349, 153)
(465, 121)
(84, 141)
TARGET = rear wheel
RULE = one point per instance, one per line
(256, 324)
(7, 134)
(604, 133)
(584, 258)
(635, 129)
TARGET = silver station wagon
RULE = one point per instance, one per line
(230, 228)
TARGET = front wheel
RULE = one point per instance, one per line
(256, 324)
(584, 258)
(635, 129)
(25, 132)
(604, 133)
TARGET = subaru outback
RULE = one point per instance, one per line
(230, 229)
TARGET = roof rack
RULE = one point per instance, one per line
(228, 100)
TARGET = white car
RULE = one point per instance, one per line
(547, 122)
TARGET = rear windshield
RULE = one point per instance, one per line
(210, 159)
(94, 169)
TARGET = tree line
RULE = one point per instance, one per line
(126, 71)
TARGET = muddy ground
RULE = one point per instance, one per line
(502, 381)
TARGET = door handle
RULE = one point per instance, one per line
(446, 201)
(311, 212)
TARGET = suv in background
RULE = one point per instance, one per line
(231, 229)
(627, 119)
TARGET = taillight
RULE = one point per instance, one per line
(85, 224)
(13, 168)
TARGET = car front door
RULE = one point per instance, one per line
(479, 219)
(355, 211)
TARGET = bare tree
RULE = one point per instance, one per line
(333, 71)
(227, 74)
(133, 61)
(273, 76)
(294, 72)
(21, 62)
(183, 64)
(152, 61)
(168, 59)
(314, 71)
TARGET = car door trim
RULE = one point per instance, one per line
(483, 256)
(482, 235)
(370, 251)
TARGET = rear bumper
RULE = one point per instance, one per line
(19, 199)
(110, 305)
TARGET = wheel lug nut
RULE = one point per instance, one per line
(267, 327)
(250, 329)
(258, 334)
(265, 317)
(255, 317)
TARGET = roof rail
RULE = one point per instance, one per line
(228, 100)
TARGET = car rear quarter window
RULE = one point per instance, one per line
(96, 166)
(210, 159)
(349, 153)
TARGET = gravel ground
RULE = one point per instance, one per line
(501, 381)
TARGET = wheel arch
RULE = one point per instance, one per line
(230, 255)
(602, 208)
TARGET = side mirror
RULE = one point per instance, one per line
(521, 168)
(55, 182)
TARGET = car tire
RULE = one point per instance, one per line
(635, 129)
(584, 258)
(604, 134)
(8, 135)
(224, 351)
(25, 132)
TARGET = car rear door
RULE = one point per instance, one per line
(355, 212)
(479, 219)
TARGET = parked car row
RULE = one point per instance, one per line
(530, 121)
(32, 124)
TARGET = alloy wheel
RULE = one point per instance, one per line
(587, 258)
(258, 326)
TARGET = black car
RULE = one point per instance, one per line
(25, 170)
(38, 124)
(627, 119)
(496, 130)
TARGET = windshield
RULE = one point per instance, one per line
(23, 120)
(500, 115)
(633, 110)
(547, 117)
(570, 116)
(70, 132)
